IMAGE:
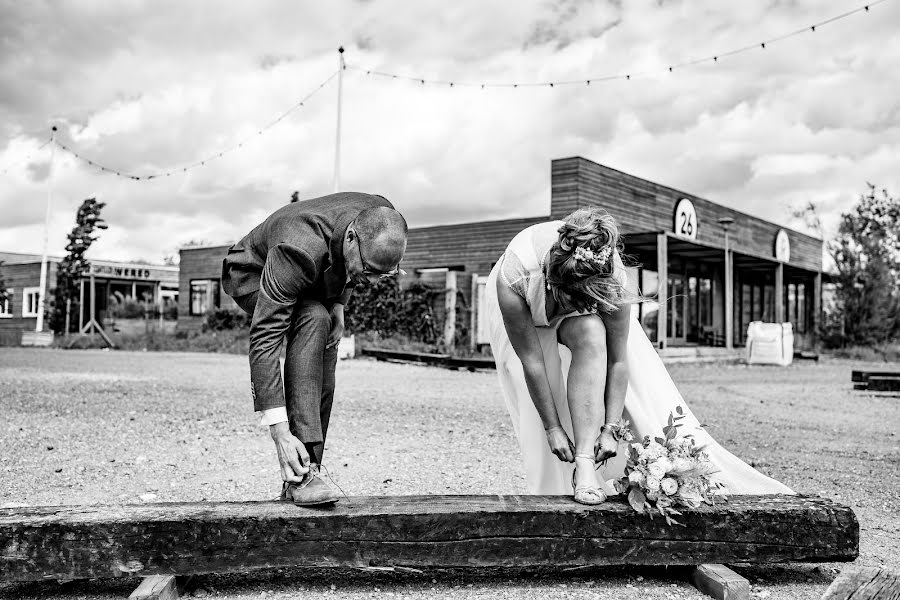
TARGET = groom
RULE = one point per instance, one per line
(294, 274)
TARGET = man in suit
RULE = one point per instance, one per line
(294, 274)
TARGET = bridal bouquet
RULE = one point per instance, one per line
(669, 472)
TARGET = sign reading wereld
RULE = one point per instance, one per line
(782, 246)
(685, 219)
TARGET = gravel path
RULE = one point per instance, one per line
(84, 427)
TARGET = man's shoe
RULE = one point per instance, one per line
(311, 491)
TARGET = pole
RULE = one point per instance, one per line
(93, 304)
(337, 137)
(39, 326)
(729, 296)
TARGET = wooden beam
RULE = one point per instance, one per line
(450, 309)
(863, 376)
(720, 582)
(864, 583)
(779, 293)
(156, 587)
(662, 270)
(880, 383)
(74, 542)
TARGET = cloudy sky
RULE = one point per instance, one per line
(148, 87)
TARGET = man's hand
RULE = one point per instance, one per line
(337, 325)
(292, 455)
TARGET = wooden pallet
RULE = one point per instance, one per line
(76, 542)
(876, 381)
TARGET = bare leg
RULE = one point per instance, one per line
(586, 337)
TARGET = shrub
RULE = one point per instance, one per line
(222, 319)
(129, 309)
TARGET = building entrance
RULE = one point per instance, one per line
(689, 318)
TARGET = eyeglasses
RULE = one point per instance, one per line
(367, 268)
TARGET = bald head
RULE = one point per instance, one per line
(382, 232)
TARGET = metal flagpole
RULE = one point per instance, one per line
(337, 140)
(43, 284)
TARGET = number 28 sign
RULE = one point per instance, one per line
(685, 219)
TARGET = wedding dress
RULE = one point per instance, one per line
(650, 398)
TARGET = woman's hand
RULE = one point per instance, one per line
(560, 444)
(606, 445)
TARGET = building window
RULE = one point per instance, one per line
(6, 304)
(204, 296)
(31, 299)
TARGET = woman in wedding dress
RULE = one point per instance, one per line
(573, 361)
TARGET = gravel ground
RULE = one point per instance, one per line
(83, 427)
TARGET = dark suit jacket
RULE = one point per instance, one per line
(297, 253)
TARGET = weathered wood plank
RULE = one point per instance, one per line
(864, 583)
(438, 531)
(880, 383)
(863, 376)
(156, 587)
(720, 582)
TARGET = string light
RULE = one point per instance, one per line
(714, 58)
(202, 162)
(24, 160)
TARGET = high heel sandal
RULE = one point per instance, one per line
(590, 495)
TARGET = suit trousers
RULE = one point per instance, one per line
(309, 371)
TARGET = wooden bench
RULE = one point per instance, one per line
(75, 542)
(876, 381)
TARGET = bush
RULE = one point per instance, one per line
(129, 309)
(222, 319)
(388, 310)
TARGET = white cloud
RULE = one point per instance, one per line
(151, 87)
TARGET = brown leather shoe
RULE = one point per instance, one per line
(312, 491)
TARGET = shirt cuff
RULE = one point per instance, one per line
(271, 416)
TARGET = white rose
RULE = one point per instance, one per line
(652, 483)
(665, 463)
(656, 469)
(669, 486)
(652, 496)
(681, 465)
(636, 477)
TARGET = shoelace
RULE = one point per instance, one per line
(330, 478)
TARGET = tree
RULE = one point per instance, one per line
(4, 293)
(74, 265)
(866, 254)
(295, 197)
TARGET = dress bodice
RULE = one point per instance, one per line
(522, 269)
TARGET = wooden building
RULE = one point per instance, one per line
(114, 282)
(675, 243)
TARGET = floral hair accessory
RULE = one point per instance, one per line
(600, 257)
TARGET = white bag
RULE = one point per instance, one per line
(770, 343)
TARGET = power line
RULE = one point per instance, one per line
(712, 58)
(199, 163)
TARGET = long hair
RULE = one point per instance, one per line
(582, 262)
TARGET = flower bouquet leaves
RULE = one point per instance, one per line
(668, 473)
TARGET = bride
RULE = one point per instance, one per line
(573, 361)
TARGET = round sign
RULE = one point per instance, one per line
(685, 219)
(782, 246)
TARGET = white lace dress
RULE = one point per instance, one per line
(651, 394)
